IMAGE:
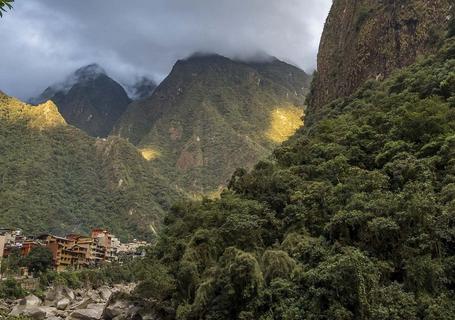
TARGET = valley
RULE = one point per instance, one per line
(259, 191)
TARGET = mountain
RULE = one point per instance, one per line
(89, 100)
(55, 178)
(369, 39)
(212, 115)
(141, 89)
(352, 218)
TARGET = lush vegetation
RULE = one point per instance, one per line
(54, 178)
(38, 260)
(4, 5)
(353, 218)
(10, 289)
(212, 115)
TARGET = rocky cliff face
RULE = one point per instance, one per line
(366, 39)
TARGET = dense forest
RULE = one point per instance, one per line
(55, 178)
(352, 218)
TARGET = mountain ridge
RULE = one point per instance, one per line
(210, 104)
(56, 178)
(88, 99)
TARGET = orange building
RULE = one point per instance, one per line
(59, 247)
(27, 246)
(74, 251)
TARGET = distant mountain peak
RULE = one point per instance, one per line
(259, 57)
(89, 72)
(88, 99)
(212, 115)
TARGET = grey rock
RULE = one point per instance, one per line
(58, 293)
(115, 309)
(105, 293)
(63, 304)
(81, 304)
(30, 300)
(92, 294)
(86, 314)
(33, 312)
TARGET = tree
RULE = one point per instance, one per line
(4, 5)
(452, 23)
(39, 260)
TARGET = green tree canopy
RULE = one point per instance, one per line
(39, 260)
(4, 5)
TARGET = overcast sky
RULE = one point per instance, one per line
(42, 41)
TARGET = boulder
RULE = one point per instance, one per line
(116, 309)
(63, 304)
(105, 293)
(50, 311)
(30, 300)
(81, 304)
(86, 314)
(34, 312)
(58, 293)
(94, 295)
(69, 293)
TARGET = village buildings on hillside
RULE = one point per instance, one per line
(73, 251)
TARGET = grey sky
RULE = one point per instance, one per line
(42, 41)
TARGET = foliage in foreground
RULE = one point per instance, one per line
(353, 218)
(4, 5)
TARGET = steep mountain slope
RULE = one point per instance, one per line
(89, 100)
(212, 115)
(55, 178)
(353, 218)
(369, 39)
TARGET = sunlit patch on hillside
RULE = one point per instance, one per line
(45, 116)
(284, 122)
(149, 154)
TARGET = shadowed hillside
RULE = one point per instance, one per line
(55, 178)
(89, 100)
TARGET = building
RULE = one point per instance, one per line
(2, 250)
(134, 248)
(27, 246)
(10, 239)
(92, 248)
(59, 247)
(74, 251)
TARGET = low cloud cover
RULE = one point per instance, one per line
(42, 41)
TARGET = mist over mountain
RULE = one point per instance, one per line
(150, 38)
(88, 99)
(142, 88)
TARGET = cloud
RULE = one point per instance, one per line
(42, 41)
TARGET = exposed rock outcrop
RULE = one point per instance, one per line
(369, 39)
